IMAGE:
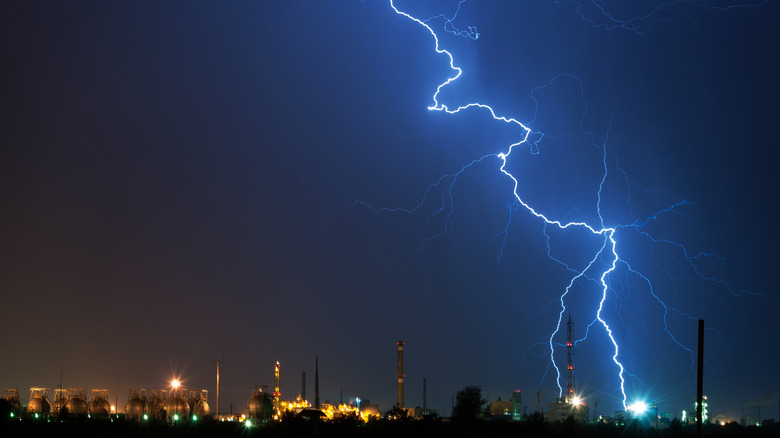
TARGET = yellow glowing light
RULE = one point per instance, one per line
(175, 383)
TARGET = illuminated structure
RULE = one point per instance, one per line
(507, 409)
(704, 412)
(199, 405)
(39, 404)
(99, 406)
(570, 405)
(11, 396)
(401, 374)
(500, 409)
(135, 408)
(218, 363)
(517, 402)
(77, 401)
(570, 359)
(259, 405)
(157, 407)
(60, 398)
(277, 383)
(332, 412)
(178, 407)
(567, 407)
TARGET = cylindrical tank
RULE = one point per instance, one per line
(99, 408)
(259, 405)
(39, 405)
(134, 409)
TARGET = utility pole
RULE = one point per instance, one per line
(539, 401)
(219, 362)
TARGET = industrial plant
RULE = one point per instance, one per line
(179, 405)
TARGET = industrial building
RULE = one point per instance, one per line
(507, 409)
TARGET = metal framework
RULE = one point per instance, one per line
(570, 358)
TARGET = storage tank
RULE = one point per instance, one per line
(77, 401)
(39, 402)
(260, 405)
(99, 406)
(199, 405)
(135, 408)
(11, 396)
(60, 398)
(177, 404)
(158, 405)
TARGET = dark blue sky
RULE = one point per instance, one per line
(166, 168)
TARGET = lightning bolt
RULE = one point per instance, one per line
(606, 233)
(650, 16)
(604, 261)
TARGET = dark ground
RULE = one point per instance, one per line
(91, 428)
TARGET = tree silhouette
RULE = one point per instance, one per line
(469, 405)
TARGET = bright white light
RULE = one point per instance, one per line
(576, 401)
(639, 407)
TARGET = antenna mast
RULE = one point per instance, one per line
(570, 359)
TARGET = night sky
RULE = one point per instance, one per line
(178, 184)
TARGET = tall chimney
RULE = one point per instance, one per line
(277, 381)
(303, 386)
(316, 383)
(425, 393)
(401, 374)
(699, 380)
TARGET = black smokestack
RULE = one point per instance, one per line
(316, 383)
(401, 374)
(425, 393)
(699, 380)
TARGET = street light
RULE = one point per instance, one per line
(174, 402)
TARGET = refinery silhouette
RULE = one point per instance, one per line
(177, 408)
